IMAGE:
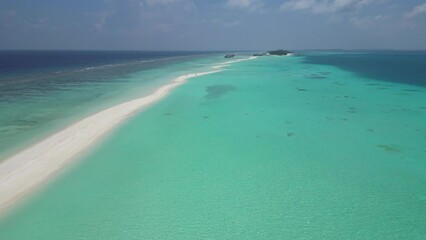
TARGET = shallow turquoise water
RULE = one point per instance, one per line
(273, 148)
(32, 106)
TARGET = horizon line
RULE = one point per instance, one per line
(220, 50)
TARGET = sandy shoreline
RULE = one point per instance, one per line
(25, 171)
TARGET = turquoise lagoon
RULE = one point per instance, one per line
(272, 148)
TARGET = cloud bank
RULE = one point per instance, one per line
(323, 6)
(418, 10)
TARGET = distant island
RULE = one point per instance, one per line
(280, 52)
(268, 53)
(231, 55)
(275, 52)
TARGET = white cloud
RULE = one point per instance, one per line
(418, 10)
(102, 18)
(159, 2)
(162, 27)
(239, 3)
(369, 22)
(323, 6)
(187, 5)
(232, 24)
(251, 5)
(40, 23)
(227, 24)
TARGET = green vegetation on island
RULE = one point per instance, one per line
(280, 52)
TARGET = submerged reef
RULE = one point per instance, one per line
(390, 148)
(216, 91)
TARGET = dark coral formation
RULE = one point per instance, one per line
(216, 91)
(390, 148)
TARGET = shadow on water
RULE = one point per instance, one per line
(216, 91)
(316, 76)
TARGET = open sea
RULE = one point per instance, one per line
(318, 145)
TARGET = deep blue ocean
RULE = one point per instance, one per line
(15, 61)
(24, 71)
(407, 67)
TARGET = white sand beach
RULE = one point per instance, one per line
(25, 171)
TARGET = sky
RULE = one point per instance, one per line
(212, 24)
